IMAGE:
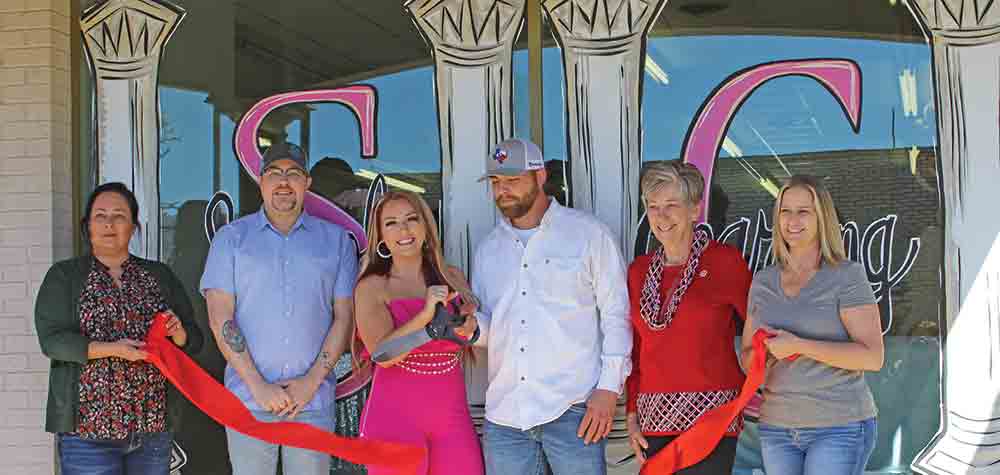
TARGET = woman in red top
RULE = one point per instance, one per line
(683, 298)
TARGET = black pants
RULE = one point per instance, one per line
(719, 462)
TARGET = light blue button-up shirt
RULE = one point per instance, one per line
(284, 288)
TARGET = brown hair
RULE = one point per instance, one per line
(435, 269)
(831, 242)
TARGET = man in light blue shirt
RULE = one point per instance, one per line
(279, 287)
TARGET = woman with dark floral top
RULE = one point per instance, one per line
(113, 412)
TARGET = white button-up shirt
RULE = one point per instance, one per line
(554, 316)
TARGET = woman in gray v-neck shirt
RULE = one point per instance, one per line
(818, 414)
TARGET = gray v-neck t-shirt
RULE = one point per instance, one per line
(805, 392)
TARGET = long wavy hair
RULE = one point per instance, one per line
(434, 265)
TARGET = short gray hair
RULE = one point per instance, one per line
(657, 174)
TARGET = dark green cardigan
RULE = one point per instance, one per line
(57, 319)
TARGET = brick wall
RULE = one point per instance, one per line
(35, 212)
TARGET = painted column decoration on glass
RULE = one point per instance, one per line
(124, 40)
(603, 44)
(471, 41)
(965, 45)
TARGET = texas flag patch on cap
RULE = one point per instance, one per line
(512, 157)
(500, 155)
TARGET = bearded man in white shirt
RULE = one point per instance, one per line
(554, 316)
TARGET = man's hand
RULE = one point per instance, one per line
(596, 424)
(467, 308)
(301, 390)
(468, 328)
(270, 397)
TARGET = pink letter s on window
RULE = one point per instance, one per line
(839, 76)
(360, 99)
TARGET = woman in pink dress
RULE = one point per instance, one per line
(417, 397)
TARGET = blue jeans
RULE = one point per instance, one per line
(140, 454)
(512, 451)
(837, 450)
(251, 456)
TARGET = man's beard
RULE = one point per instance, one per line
(521, 206)
(284, 204)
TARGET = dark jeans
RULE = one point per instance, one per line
(140, 454)
(719, 462)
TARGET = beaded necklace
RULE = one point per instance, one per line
(653, 312)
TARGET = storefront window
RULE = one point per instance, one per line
(869, 131)
(882, 176)
(409, 157)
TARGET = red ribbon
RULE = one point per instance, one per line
(694, 444)
(225, 408)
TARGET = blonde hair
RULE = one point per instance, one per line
(831, 241)
(657, 174)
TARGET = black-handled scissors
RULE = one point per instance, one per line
(441, 327)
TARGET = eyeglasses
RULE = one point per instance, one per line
(292, 174)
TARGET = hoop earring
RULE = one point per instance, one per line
(378, 250)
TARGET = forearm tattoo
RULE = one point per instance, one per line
(328, 362)
(232, 336)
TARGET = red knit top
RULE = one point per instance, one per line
(691, 366)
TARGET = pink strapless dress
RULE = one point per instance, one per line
(421, 400)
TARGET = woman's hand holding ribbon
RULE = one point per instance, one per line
(782, 344)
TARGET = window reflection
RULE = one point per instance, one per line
(883, 178)
(797, 115)
(790, 125)
(408, 152)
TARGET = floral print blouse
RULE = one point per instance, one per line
(118, 397)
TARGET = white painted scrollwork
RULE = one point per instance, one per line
(124, 40)
(965, 43)
(603, 44)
